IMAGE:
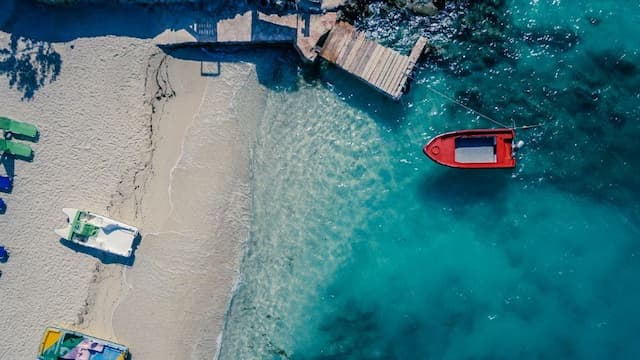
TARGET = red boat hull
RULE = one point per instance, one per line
(473, 149)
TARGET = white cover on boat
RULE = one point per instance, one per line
(481, 154)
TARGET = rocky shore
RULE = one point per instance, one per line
(418, 7)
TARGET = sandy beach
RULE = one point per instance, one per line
(131, 132)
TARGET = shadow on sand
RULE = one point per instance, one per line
(104, 257)
(29, 64)
(33, 139)
(40, 25)
(276, 66)
(30, 61)
(9, 163)
(60, 23)
(279, 68)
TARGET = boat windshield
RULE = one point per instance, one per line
(476, 149)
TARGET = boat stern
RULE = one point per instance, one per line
(70, 212)
(49, 340)
(64, 233)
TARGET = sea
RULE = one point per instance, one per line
(363, 248)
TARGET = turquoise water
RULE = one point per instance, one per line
(362, 248)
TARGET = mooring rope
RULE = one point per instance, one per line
(481, 114)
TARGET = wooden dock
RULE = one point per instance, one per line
(384, 69)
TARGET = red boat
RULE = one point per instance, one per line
(473, 149)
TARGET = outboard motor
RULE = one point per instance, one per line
(517, 146)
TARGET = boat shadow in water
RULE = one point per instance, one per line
(461, 187)
(105, 257)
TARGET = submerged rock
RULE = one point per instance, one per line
(421, 7)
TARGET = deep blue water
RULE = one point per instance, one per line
(361, 248)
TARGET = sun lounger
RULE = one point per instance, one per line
(5, 183)
(17, 127)
(3, 206)
(15, 148)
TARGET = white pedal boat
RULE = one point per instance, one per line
(95, 231)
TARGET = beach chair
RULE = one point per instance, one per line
(5, 183)
(3, 206)
(4, 254)
(17, 127)
(15, 148)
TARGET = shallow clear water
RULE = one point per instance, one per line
(362, 248)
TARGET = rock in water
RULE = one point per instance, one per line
(423, 8)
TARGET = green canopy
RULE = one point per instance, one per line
(15, 148)
(17, 127)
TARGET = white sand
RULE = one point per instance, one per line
(93, 132)
(181, 174)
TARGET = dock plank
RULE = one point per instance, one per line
(391, 75)
(384, 71)
(355, 53)
(384, 82)
(329, 46)
(345, 36)
(334, 43)
(396, 76)
(394, 84)
(365, 58)
(380, 69)
(383, 54)
(356, 56)
(350, 36)
(371, 61)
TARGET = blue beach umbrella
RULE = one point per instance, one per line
(5, 183)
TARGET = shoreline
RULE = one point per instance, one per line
(176, 120)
